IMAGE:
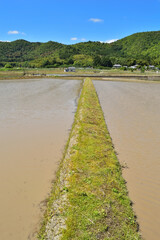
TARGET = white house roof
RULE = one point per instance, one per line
(116, 65)
(71, 68)
(133, 67)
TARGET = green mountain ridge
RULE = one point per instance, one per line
(140, 48)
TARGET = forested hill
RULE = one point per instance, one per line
(21, 50)
(140, 48)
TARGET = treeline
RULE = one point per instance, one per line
(80, 60)
(141, 48)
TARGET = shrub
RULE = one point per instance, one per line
(8, 65)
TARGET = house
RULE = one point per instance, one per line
(117, 66)
(151, 67)
(133, 67)
(70, 69)
(137, 66)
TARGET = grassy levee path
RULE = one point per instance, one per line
(89, 199)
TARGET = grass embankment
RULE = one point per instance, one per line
(5, 75)
(24, 73)
(89, 199)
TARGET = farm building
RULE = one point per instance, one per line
(117, 66)
(70, 69)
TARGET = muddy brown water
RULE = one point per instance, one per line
(132, 113)
(35, 118)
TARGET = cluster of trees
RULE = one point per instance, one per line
(102, 61)
(79, 60)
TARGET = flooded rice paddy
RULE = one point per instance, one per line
(35, 117)
(132, 113)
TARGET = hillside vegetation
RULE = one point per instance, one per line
(140, 48)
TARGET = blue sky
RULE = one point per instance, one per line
(69, 21)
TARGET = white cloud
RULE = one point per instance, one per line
(83, 39)
(74, 39)
(15, 32)
(4, 41)
(109, 41)
(96, 20)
